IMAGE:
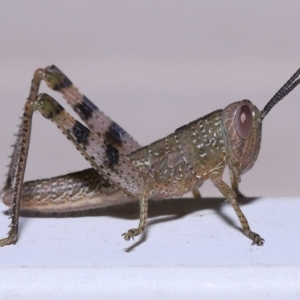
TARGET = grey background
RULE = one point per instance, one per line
(154, 66)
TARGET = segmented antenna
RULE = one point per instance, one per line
(286, 89)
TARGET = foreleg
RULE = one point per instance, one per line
(229, 194)
(235, 184)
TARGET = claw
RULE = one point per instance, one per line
(130, 234)
(256, 239)
(258, 242)
(10, 239)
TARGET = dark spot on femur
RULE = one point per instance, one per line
(66, 82)
(243, 121)
(62, 80)
(114, 134)
(50, 115)
(58, 108)
(112, 155)
(51, 108)
(85, 109)
(81, 133)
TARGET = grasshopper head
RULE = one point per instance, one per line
(242, 123)
(242, 131)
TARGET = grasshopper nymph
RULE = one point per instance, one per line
(123, 171)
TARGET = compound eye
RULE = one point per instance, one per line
(243, 121)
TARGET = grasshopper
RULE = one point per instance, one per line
(123, 171)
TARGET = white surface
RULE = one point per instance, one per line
(191, 249)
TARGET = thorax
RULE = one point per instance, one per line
(186, 156)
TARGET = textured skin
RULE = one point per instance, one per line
(182, 160)
(185, 158)
(172, 166)
(72, 192)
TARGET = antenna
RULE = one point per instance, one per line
(286, 89)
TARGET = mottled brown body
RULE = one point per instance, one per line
(122, 170)
(182, 160)
(185, 158)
